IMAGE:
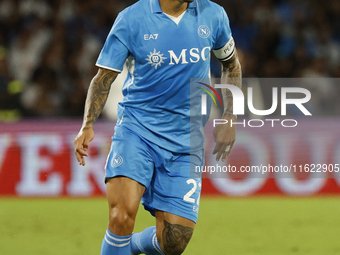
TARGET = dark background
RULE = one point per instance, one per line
(48, 49)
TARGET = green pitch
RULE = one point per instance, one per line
(263, 226)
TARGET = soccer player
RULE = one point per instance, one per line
(164, 43)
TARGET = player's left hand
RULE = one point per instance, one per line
(225, 136)
(81, 144)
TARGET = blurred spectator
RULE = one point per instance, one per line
(10, 91)
(26, 50)
(51, 47)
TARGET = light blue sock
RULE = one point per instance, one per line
(115, 245)
(146, 242)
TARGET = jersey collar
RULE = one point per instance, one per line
(156, 8)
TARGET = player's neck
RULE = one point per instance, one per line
(173, 7)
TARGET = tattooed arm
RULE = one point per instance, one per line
(225, 135)
(95, 101)
(231, 74)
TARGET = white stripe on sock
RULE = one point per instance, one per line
(117, 239)
(114, 244)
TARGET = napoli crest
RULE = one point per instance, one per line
(116, 161)
(203, 31)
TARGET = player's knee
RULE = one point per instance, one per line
(121, 218)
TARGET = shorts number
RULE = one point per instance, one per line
(187, 197)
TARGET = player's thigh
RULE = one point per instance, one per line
(129, 156)
(128, 171)
(173, 232)
(124, 193)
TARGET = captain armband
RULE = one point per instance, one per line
(227, 51)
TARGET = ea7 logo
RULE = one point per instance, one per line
(238, 100)
(150, 37)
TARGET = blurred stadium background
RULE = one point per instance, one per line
(47, 53)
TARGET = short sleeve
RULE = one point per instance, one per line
(115, 50)
(224, 47)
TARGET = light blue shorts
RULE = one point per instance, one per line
(168, 177)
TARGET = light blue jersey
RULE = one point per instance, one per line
(162, 55)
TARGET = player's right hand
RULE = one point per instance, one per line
(81, 144)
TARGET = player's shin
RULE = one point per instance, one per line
(146, 242)
(113, 244)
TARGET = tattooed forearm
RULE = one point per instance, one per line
(97, 95)
(175, 238)
(231, 74)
